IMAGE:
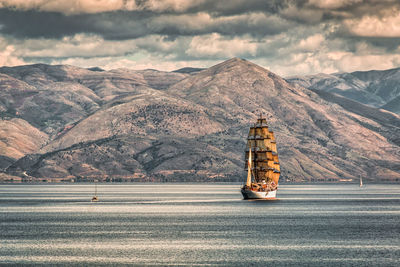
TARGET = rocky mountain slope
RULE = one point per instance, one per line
(380, 89)
(185, 126)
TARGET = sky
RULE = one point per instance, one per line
(287, 37)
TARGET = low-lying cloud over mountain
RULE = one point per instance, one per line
(288, 37)
(151, 125)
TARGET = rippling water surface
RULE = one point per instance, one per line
(192, 224)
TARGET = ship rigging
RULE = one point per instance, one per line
(263, 168)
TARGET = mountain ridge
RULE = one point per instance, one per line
(166, 126)
(376, 88)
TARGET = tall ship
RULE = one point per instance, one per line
(262, 163)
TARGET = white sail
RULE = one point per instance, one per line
(361, 183)
(248, 183)
(95, 198)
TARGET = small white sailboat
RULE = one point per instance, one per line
(361, 182)
(95, 198)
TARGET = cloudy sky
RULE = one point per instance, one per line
(287, 37)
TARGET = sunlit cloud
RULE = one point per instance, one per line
(373, 26)
(333, 4)
(8, 55)
(71, 7)
(214, 45)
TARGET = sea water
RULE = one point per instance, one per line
(199, 225)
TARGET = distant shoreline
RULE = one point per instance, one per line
(193, 182)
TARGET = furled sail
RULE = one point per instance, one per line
(248, 183)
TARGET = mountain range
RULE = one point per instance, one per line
(375, 88)
(68, 123)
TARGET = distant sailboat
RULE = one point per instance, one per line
(95, 198)
(361, 183)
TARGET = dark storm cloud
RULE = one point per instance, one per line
(229, 7)
(389, 45)
(36, 24)
(133, 24)
(227, 17)
(33, 24)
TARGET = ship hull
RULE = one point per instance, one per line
(250, 194)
